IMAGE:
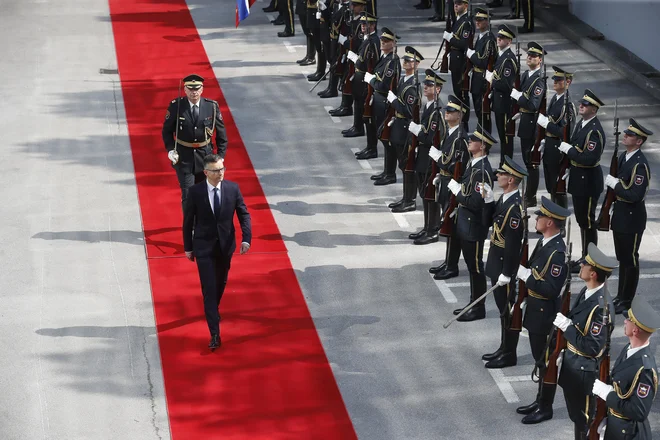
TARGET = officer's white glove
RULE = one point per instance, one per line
(454, 186)
(561, 322)
(542, 146)
(391, 97)
(564, 147)
(489, 76)
(435, 154)
(611, 181)
(173, 156)
(515, 94)
(489, 195)
(368, 77)
(414, 128)
(503, 280)
(318, 15)
(447, 35)
(601, 389)
(566, 174)
(515, 117)
(469, 53)
(389, 124)
(342, 39)
(341, 5)
(436, 180)
(523, 273)
(322, 7)
(352, 56)
(543, 121)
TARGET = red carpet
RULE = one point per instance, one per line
(271, 379)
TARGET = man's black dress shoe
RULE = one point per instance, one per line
(436, 269)
(341, 111)
(377, 176)
(215, 342)
(279, 21)
(395, 204)
(405, 207)
(502, 361)
(427, 239)
(285, 34)
(328, 93)
(445, 274)
(385, 180)
(364, 155)
(315, 76)
(353, 132)
(416, 235)
(538, 416)
(527, 409)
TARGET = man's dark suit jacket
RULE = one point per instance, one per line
(202, 233)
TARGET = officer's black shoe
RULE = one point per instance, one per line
(493, 355)
(405, 207)
(494, 4)
(436, 269)
(457, 311)
(341, 111)
(474, 314)
(378, 176)
(347, 130)
(531, 201)
(279, 21)
(538, 416)
(427, 239)
(502, 361)
(307, 61)
(528, 409)
(436, 19)
(621, 307)
(416, 235)
(302, 60)
(315, 76)
(328, 93)
(368, 154)
(215, 342)
(446, 274)
(353, 132)
(285, 34)
(511, 17)
(385, 180)
(524, 30)
(395, 204)
(269, 9)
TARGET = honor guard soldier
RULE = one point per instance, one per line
(509, 226)
(481, 58)
(405, 102)
(557, 123)
(544, 280)
(324, 15)
(432, 125)
(301, 12)
(470, 230)
(502, 80)
(339, 15)
(453, 151)
(585, 336)
(286, 12)
(439, 8)
(585, 182)
(529, 98)
(459, 41)
(365, 60)
(188, 132)
(634, 377)
(314, 26)
(629, 210)
(528, 16)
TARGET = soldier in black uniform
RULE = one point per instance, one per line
(585, 336)
(470, 230)
(502, 80)
(385, 79)
(545, 280)
(557, 123)
(405, 102)
(286, 12)
(454, 151)
(586, 178)
(439, 8)
(629, 210)
(459, 41)
(301, 11)
(314, 26)
(430, 130)
(339, 13)
(188, 131)
(532, 91)
(481, 58)
(528, 15)
(509, 226)
(634, 377)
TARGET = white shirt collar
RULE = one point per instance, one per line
(191, 104)
(586, 121)
(532, 72)
(506, 196)
(452, 130)
(547, 240)
(429, 104)
(501, 51)
(632, 351)
(476, 160)
(631, 154)
(210, 187)
(590, 292)
(407, 77)
(559, 96)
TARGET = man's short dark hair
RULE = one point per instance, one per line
(516, 180)
(211, 158)
(601, 275)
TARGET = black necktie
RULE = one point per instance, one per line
(195, 114)
(216, 203)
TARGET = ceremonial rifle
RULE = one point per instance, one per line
(603, 376)
(410, 163)
(560, 188)
(369, 99)
(444, 65)
(610, 196)
(348, 85)
(485, 102)
(511, 124)
(515, 323)
(429, 194)
(447, 224)
(540, 134)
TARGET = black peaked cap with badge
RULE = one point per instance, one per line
(590, 98)
(456, 105)
(510, 166)
(636, 129)
(368, 17)
(506, 32)
(560, 74)
(481, 135)
(536, 49)
(481, 14)
(433, 78)
(642, 315)
(552, 210)
(386, 33)
(596, 258)
(412, 54)
(193, 81)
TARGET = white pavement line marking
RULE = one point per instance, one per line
(305, 73)
(289, 47)
(335, 119)
(461, 284)
(398, 216)
(517, 378)
(504, 386)
(270, 17)
(363, 163)
(445, 290)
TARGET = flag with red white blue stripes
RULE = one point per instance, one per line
(243, 9)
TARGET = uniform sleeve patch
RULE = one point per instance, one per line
(639, 179)
(514, 222)
(555, 270)
(507, 72)
(591, 146)
(389, 72)
(643, 390)
(477, 187)
(167, 115)
(538, 90)
(466, 34)
(596, 327)
(411, 99)
(434, 126)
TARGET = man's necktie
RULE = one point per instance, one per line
(195, 114)
(216, 203)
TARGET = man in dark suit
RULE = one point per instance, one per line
(188, 131)
(209, 236)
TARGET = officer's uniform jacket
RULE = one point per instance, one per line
(387, 73)
(635, 382)
(432, 122)
(554, 132)
(194, 140)
(505, 72)
(629, 210)
(468, 221)
(453, 150)
(484, 49)
(544, 285)
(368, 57)
(506, 239)
(460, 41)
(533, 90)
(407, 97)
(586, 177)
(340, 19)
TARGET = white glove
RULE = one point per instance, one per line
(368, 77)
(469, 53)
(611, 181)
(436, 180)
(435, 154)
(543, 121)
(322, 7)
(414, 128)
(601, 389)
(173, 156)
(454, 186)
(561, 322)
(342, 39)
(391, 97)
(542, 146)
(447, 35)
(564, 147)
(318, 15)
(489, 76)
(515, 94)
(503, 280)
(565, 176)
(389, 124)
(515, 117)
(352, 56)
(523, 273)
(489, 195)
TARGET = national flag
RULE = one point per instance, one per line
(243, 9)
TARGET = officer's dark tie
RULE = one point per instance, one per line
(216, 203)
(195, 114)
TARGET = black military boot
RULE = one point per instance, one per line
(450, 269)
(498, 352)
(409, 193)
(574, 265)
(628, 286)
(580, 434)
(477, 288)
(532, 186)
(320, 67)
(432, 224)
(331, 90)
(508, 357)
(422, 232)
(543, 410)
(309, 57)
(345, 108)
